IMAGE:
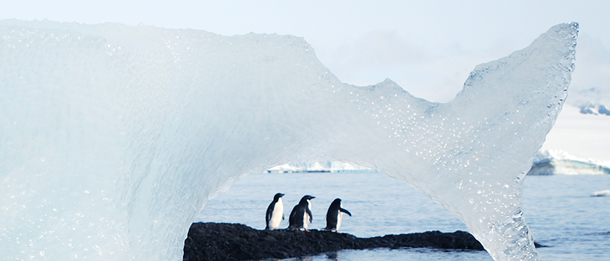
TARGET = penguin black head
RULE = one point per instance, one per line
(335, 205)
(305, 198)
(278, 196)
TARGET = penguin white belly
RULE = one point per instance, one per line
(339, 217)
(305, 220)
(276, 216)
(306, 216)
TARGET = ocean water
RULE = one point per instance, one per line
(559, 210)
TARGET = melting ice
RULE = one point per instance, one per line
(113, 136)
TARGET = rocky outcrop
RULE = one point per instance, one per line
(222, 241)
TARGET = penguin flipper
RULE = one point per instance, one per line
(291, 217)
(345, 211)
(267, 218)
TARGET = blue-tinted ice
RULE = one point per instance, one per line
(113, 137)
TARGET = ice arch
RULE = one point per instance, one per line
(114, 136)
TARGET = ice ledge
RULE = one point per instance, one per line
(557, 162)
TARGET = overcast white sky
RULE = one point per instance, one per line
(427, 47)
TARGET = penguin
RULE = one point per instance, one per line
(275, 211)
(301, 214)
(334, 215)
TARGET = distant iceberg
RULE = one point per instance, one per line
(603, 193)
(329, 166)
(557, 162)
(546, 162)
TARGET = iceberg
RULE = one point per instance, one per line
(114, 136)
(330, 166)
(557, 162)
(601, 193)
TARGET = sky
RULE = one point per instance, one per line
(427, 47)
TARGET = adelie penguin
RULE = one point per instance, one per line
(334, 215)
(301, 216)
(275, 212)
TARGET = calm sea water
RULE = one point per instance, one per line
(559, 210)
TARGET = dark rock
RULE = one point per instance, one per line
(222, 241)
(539, 245)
